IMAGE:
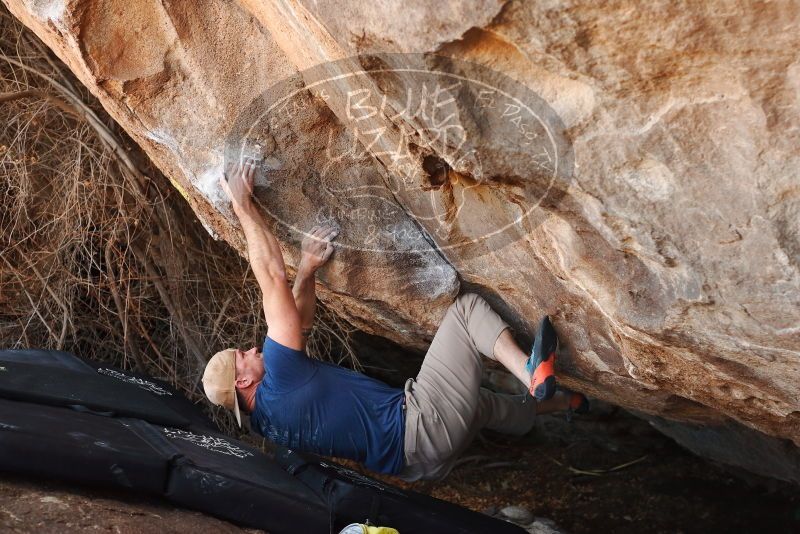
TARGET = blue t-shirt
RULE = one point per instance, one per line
(318, 407)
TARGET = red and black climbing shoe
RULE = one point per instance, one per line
(578, 403)
(541, 363)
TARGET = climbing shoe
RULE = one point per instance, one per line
(578, 403)
(541, 363)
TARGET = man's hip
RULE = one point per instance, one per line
(433, 440)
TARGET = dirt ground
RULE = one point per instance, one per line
(667, 490)
(48, 507)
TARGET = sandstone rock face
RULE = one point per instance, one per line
(666, 245)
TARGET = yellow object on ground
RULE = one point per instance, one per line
(358, 528)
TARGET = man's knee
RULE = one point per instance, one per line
(467, 300)
(466, 303)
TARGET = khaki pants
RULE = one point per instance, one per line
(446, 405)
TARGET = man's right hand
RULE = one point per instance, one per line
(317, 248)
(237, 182)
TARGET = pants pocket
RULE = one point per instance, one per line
(427, 440)
(411, 431)
(412, 416)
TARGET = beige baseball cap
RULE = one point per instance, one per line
(219, 381)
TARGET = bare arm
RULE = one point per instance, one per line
(266, 260)
(316, 249)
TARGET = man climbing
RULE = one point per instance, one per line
(416, 432)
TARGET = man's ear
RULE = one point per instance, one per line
(243, 382)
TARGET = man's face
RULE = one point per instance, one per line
(249, 367)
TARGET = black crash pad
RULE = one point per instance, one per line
(57, 386)
(51, 358)
(353, 497)
(229, 479)
(203, 471)
(54, 442)
(165, 398)
(160, 390)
